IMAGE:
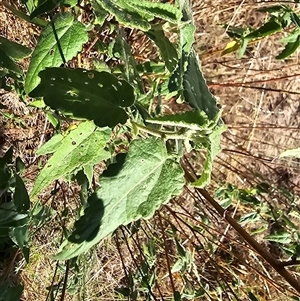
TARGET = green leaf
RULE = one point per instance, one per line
(39, 214)
(185, 7)
(225, 203)
(9, 217)
(10, 51)
(252, 297)
(177, 296)
(291, 153)
(231, 47)
(20, 165)
(164, 11)
(187, 37)
(259, 230)
(92, 95)
(292, 37)
(10, 293)
(249, 217)
(289, 49)
(5, 174)
(124, 16)
(135, 189)
(100, 13)
(89, 171)
(212, 145)
(37, 104)
(53, 119)
(283, 238)
(244, 44)
(178, 265)
(267, 29)
(151, 68)
(7, 63)
(138, 13)
(295, 19)
(20, 14)
(20, 236)
(87, 227)
(14, 50)
(50, 146)
(69, 3)
(55, 46)
(186, 40)
(235, 33)
(45, 7)
(31, 4)
(289, 222)
(21, 198)
(82, 146)
(196, 92)
(122, 49)
(167, 50)
(248, 198)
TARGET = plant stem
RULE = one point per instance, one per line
(277, 265)
(64, 289)
(164, 135)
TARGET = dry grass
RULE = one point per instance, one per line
(259, 96)
(261, 124)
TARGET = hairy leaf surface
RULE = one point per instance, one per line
(194, 120)
(92, 95)
(124, 16)
(188, 76)
(130, 190)
(167, 50)
(100, 13)
(82, 146)
(164, 11)
(212, 145)
(138, 13)
(196, 91)
(122, 49)
(59, 42)
(50, 146)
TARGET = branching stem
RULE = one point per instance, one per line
(277, 265)
(164, 135)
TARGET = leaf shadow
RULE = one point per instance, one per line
(88, 225)
(114, 168)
